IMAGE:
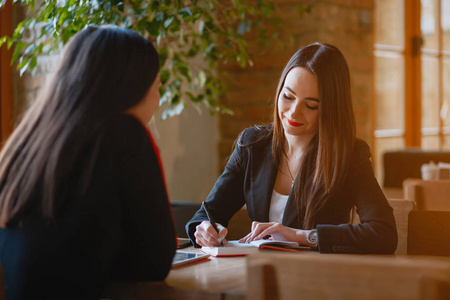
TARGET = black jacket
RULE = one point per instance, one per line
(121, 229)
(249, 178)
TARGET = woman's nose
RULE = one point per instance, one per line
(296, 110)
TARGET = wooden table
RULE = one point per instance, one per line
(221, 278)
(347, 276)
(216, 278)
(225, 278)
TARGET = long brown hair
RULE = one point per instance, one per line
(326, 160)
(103, 72)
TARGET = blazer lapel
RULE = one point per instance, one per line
(290, 217)
(263, 175)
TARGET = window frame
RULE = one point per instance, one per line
(412, 51)
(6, 75)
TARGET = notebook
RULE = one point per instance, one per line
(234, 248)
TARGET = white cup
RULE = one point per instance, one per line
(430, 171)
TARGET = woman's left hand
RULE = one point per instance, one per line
(260, 230)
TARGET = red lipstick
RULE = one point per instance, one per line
(294, 124)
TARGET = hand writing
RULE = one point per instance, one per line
(206, 235)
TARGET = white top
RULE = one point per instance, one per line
(277, 206)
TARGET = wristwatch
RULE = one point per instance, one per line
(312, 238)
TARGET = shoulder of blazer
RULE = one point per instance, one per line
(124, 133)
(361, 152)
(254, 135)
(256, 140)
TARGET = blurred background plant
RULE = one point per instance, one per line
(193, 38)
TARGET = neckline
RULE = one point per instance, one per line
(282, 195)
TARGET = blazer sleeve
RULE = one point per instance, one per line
(227, 196)
(149, 234)
(377, 232)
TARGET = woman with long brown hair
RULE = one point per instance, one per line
(301, 176)
(82, 196)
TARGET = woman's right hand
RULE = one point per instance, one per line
(206, 235)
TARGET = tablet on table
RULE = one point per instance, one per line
(186, 257)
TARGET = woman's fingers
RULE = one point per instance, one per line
(278, 232)
(254, 224)
(261, 230)
(272, 230)
(222, 233)
(206, 235)
(245, 238)
(257, 229)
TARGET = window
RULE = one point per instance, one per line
(412, 62)
(435, 65)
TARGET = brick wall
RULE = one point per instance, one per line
(27, 86)
(347, 24)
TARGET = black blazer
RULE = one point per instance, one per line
(121, 229)
(249, 178)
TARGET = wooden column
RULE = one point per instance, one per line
(6, 74)
(413, 42)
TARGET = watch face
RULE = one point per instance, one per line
(312, 238)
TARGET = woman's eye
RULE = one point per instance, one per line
(285, 96)
(312, 107)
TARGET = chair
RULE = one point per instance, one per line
(182, 213)
(240, 225)
(429, 233)
(401, 209)
(275, 276)
(2, 284)
(402, 164)
(428, 194)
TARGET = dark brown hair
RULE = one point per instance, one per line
(104, 71)
(327, 158)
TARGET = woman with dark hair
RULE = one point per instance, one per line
(301, 176)
(82, 196)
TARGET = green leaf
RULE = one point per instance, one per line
(175, 108)
(202, 78)
(191, 97)
(176, 26)
(159, 16)
(152, 27)
(201, 27)
(16, 52)
(193, 51)
(3, 39)
(226, 111)
(168, 22)
(185, 12)
(23, 66)
(184, 70)
(163, 54)
(199, 98)
(33, 64)
(210, 48)
(29, 49)
(164, 76)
